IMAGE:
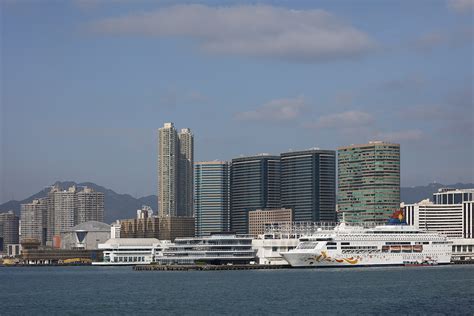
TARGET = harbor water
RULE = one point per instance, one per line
(121, 290)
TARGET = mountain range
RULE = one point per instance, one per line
(122, 206)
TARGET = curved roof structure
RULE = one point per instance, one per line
(132, 241)
(91, 226)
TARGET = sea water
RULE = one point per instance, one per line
(350, 291)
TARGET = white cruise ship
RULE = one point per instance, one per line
(382, 245)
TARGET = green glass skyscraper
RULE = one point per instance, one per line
(369, 182)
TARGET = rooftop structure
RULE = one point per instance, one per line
(453, 196)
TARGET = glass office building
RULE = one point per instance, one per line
(212, 197)
(255, 184)
(369, 182)
(308, 184)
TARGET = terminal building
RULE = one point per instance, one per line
(224, 248)
(221, 248)
(129, 251)
(455, 220)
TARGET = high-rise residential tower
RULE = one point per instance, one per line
(90, 206)
(185, 173)
(255, 184)
(62, 206)
(212, 197)
(175, 182)
(369, 182)
(34, 222)
(168, 154)
(175, 171)
(308, 184)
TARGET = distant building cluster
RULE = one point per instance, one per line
(45, 219)
(302, 181)
(225, 192)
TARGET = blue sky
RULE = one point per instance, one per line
(85, 84)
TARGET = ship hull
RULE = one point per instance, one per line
(328, 259)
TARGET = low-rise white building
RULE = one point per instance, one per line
(130, 251)
(463, 250)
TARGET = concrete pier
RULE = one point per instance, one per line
(155, 267)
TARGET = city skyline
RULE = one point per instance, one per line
(409, 83)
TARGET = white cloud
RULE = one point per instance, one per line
(275, 110)
(343, 120)
(402, 136)
(461, 6)
(260, 30)
(447, 38)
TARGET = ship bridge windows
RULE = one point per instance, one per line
(307, 245)
(398, 243)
